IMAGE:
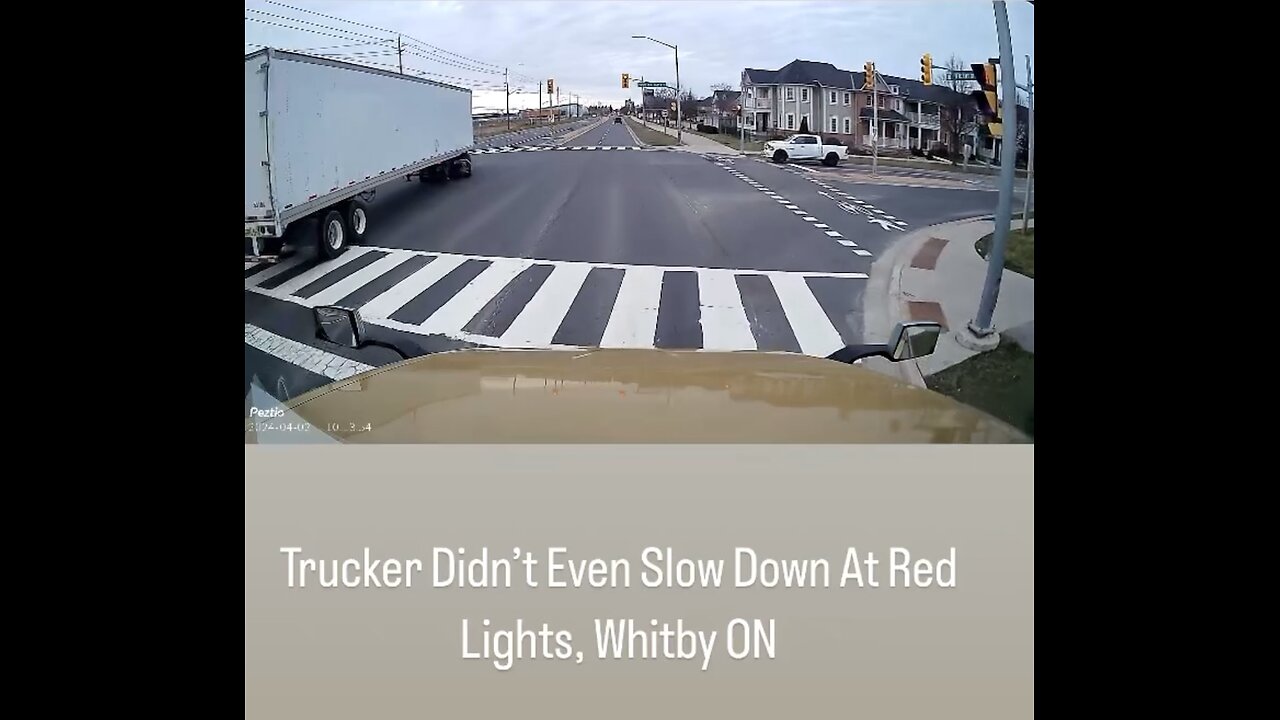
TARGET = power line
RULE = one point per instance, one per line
(453, 64)
(379, 29)
(353, 33)
(450, 61)
(298, 29)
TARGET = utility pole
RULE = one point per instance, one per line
(539, 102)
(507, 87)
(981, 334)
(679, 132)
(400, 53)
(875, 121)
(1031, 143)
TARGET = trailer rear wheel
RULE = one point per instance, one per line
(357, 217)
(460, 168)
(333, 235)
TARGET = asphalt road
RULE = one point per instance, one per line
(600, 243)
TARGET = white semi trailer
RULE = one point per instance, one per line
(321, 135)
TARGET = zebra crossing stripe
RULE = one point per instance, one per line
(467, 302)
(402, 292)
(635, 312)
(812, 328)
(298, 282)
(538, 321)
(631, 320)
(724, 320)
(357, 279)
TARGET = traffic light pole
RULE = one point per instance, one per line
(1031, 144)
(981, 332)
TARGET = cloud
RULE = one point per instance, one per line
(586, 46)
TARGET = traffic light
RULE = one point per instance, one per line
(551, 86)
(626, 80)
(869, 72)
(988, 100)
(926, 69)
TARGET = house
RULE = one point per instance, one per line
(833, 102)
(718, 110)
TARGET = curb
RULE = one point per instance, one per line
(885, 301)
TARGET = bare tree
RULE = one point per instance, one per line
(722, 86)
(954, 64)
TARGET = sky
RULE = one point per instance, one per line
(587, 45)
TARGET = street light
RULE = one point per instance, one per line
(679, 135)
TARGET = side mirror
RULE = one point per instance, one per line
(911, 340)
(340, 326)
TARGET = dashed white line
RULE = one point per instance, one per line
(834, 233)
(809, 218)
(821, 225)
(848, 243)
(862, 253)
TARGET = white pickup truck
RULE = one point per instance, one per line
(804, 147)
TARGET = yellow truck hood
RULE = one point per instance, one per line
(637, 396)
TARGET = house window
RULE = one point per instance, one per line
(846, 99)
(868, 100)
(804, 94)
(846, 126)
(791, 93)
(833, 97)
(833, 125)
(791, 121)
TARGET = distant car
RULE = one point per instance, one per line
(618, 119)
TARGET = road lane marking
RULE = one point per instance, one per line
(398, 295)
(809, 322)
(298, 282)
(724, 320)
(848, 243)
(357, 280)
(284, 266)
(634, 320)
(795, 209)
(861, 252)
(313, 359)
(632, 317)
(541, 317)
(458, 311)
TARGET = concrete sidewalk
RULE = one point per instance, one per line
(697, 143)
(936, 274)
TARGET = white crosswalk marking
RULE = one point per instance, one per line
(537, 323)
(298, 282)
(357, 279)
(264, 275)
(635, 313)
(631, 321)
(463, 306)
(812, 327)
(724, 321)
(402, 292)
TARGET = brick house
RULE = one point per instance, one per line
(911, 114)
